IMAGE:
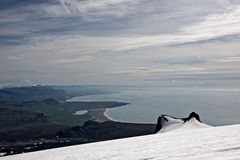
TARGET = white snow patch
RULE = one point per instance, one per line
(173, 124)
(79, 113)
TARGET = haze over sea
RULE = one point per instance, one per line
(216, 106)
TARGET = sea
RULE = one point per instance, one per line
(216, 106)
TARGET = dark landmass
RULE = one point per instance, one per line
(98, 114)
(38, 117)
(63, 112)
(51, 102)
(99, 131)
(91, 131)
(16, 125)
(39, 93)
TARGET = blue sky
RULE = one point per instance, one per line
(119, 41)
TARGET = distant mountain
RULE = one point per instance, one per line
(31, 93)
(97, 131)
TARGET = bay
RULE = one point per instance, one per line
(216, 106)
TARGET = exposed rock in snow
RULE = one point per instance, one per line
(167, 123)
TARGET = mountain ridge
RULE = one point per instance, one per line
(167, 123)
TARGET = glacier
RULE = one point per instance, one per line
(177, 140)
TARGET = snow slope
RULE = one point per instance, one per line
(177, 124)
(188, 144)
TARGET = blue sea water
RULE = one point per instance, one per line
(216, 106)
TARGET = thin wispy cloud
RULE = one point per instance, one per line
(91, 9)
(116, 41)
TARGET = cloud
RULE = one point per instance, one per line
(118, 40)
(78, 59)
(215, 26)
(227, 22)
(145, 24)
(91, 9)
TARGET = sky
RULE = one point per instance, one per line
(120, 42)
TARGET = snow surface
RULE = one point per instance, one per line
(82, 112)
(175, 124)
(182, 144)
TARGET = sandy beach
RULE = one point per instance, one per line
(100, 114)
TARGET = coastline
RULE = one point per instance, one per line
(106, 115)
(100, 114)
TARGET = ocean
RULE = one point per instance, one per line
(216, 106)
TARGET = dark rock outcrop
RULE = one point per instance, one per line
(162, 118)
(159, 124)
(96, 131)
(192, 115)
